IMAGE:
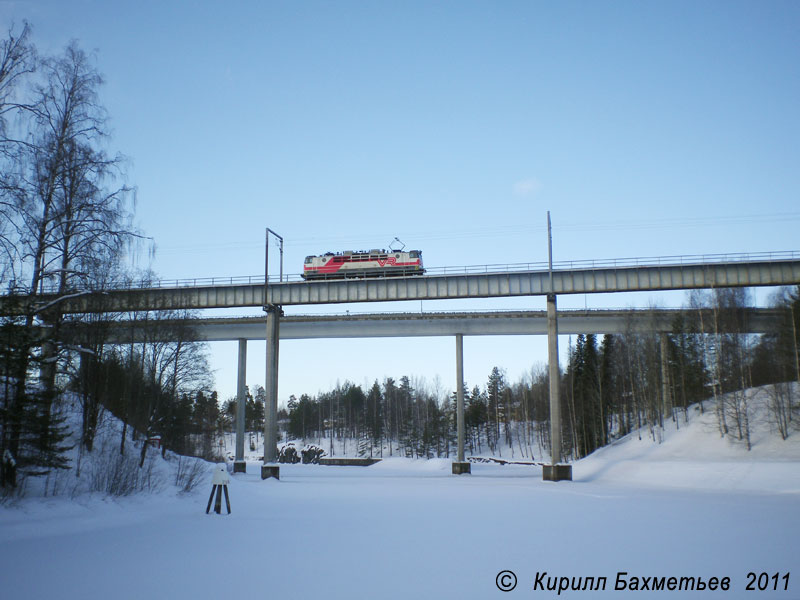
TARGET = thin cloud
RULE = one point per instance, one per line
(527, 187)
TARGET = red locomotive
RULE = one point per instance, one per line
(375, 263)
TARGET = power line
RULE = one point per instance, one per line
(350, 240)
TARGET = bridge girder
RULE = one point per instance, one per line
(437, 287)
(571, 322)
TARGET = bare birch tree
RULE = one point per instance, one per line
(70, 215)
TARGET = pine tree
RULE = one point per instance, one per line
(586, 402)
(496, 408)
(406, 427)
(476, 416)
(375, 417)
(687, 364)
(607, 386)
(389, 397)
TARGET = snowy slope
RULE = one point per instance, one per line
(695, 455)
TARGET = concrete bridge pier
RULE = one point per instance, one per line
(461, 466)
(269, 468)
(239, 464)
(555, 471)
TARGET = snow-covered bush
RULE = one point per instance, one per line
(288, 454)
(311, 454)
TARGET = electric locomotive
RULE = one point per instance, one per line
(375, 263)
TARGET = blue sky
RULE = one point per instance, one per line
(646, 128)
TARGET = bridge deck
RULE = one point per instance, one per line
(436, 287)
(753, 320)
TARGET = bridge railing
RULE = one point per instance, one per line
(648, 261)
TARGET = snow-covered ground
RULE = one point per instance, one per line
(695, 505)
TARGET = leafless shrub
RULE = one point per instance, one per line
(120, 475)
(189, 473)
(780, 403)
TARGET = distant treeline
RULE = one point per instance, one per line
(608, 389)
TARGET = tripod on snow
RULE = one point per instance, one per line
(218, 483)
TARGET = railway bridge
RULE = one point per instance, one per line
(586, 277)
(451, 283)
